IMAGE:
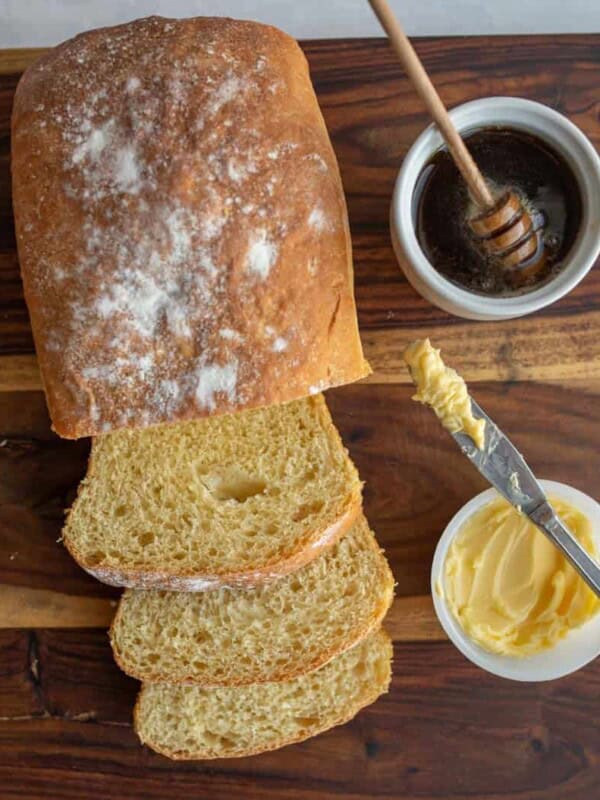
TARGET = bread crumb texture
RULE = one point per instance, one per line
(229, 498)
(190, 722)
(232, 637)
(197, 258)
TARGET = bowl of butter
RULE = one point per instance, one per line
(507, 598)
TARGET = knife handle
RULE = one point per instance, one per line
(546, 519)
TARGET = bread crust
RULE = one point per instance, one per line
(365, 700)
(181, 225)
(357, 636)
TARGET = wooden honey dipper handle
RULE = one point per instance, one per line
(422, 83)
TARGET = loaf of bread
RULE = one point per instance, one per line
(181, 225)
(190, 722)
(232, 637)
(233, 500)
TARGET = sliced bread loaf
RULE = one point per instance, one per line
(274, 632)
(232, 500)
(191, 722)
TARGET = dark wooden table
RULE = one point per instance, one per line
(447, 729)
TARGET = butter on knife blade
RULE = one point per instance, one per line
(444, 390)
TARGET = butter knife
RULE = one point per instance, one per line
(504, 467)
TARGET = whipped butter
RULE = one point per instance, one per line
(444, 390)
(512, 590)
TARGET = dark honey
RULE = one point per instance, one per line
(508, 158)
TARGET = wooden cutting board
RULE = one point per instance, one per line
(447, 729)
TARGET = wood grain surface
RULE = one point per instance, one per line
(446, 730)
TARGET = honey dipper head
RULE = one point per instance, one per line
(507, 233)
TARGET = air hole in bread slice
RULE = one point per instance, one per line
(215, 740)
(96, 558)
(308, 510)
(233, 485)
(307, 722)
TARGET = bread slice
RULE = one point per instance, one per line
(275, 632)
(232, 500)
(191, 722)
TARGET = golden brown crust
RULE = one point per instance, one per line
(323, 658)
(350, 713)
(181, 225)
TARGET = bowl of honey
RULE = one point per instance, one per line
(520, 144)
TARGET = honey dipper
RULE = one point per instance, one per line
(502, 227)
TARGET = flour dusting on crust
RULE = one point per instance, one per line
(188, 204)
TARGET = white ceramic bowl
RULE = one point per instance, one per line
(562, 136)
(578, 648)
